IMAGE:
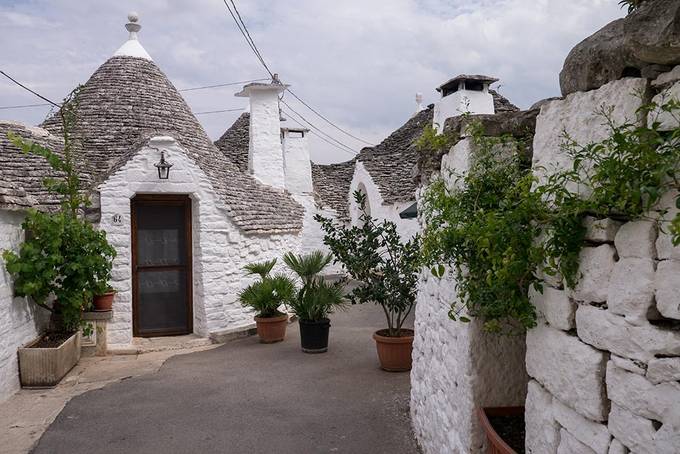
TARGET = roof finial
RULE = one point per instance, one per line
(133, 27)
(419, 103)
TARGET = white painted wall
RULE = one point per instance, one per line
(378, 210)
(297, 164)
(220, 250)
(460, 102)
(265, 153)
(458, 367)
(20, 320)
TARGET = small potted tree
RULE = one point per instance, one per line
(314, 300)
(59, 266)
(266, 296)
(387, 269)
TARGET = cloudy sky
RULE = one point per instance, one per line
(358, 62)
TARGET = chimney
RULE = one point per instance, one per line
(463, 94)
(297, 165)
(419, 104)
(265, 154)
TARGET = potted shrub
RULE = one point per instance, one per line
(265, 296)
(387, 269)
(59, 266)
(314, 300)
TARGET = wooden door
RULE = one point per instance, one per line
(161, 265)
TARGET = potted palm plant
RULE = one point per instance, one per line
(266, 296)
(314, 300)
(387, 269)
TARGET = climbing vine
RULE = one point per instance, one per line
(500, 230)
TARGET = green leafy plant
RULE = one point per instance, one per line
(64, 261)
(269, 293)
(316, 298)
(481, 225)
(374, 254)
(632, 5)
(496, 227)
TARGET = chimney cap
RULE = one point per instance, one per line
(275, 85)
(465, 77)
(294, 130)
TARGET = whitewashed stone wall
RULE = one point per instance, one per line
(20, 320)
(457, 367)
(378, 209)
(219, 251)
(605, 359)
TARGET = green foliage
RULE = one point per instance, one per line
(374, 254)
(497, 227)
(266, 295)
(482, 226)
(64, 260)
(316, 298)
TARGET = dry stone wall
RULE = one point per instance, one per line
(604, 361)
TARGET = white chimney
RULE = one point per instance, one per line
(463, 94)
(265, 153)
(419, 104)
(297, 165)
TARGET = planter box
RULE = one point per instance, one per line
(495, 443)
(45, 367)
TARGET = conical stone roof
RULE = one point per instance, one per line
(127, 101)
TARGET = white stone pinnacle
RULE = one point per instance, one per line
(132, 47)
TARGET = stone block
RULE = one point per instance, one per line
(636, 239)
(668, 120)
(663, 369)
(569, 369)
(667, 282)
(616, 447)
(596, 265)
(571, 445)
(601, 230)
(607, 331)
(640, 396)
(542, 431)
(636, 367)
(631, 288)
(668, 78)
(590, 433)
(635, 432)
(555, 306)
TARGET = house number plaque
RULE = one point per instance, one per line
(117, 219)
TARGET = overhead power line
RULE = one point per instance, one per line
(228, 84)
(329, 121)
(25, 106)
(314, 127)
(318, 135)
(28, 89)
(216, 111)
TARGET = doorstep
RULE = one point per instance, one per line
(142, 345)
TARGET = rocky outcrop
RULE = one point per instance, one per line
(640, 45)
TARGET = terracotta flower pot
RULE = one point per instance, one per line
(394, 353)
(271, 329)
(103, 302)
(494, 441)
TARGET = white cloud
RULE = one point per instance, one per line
(359, 62)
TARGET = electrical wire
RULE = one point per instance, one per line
(228, 84)
(319, 131)
(24, 106)
(318, 135)
(28, 89)
(216, 111)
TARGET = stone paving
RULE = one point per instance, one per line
(242, 397)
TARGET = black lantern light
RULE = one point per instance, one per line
(163, 167)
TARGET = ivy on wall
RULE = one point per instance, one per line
(500, 231)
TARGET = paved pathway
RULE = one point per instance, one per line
(246, 397)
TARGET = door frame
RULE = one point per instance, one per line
(163, 200)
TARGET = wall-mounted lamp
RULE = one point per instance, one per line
(163, 167)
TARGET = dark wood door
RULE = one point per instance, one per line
(161, 265)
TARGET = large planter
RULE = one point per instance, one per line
(394, 353)
(45, 367)
(503, 427)
(314, 335)
(271, 329)
(103, 303)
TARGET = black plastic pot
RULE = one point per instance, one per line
(314, 335)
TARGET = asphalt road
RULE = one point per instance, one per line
(247, 397)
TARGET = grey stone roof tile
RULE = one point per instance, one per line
(234, 142)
